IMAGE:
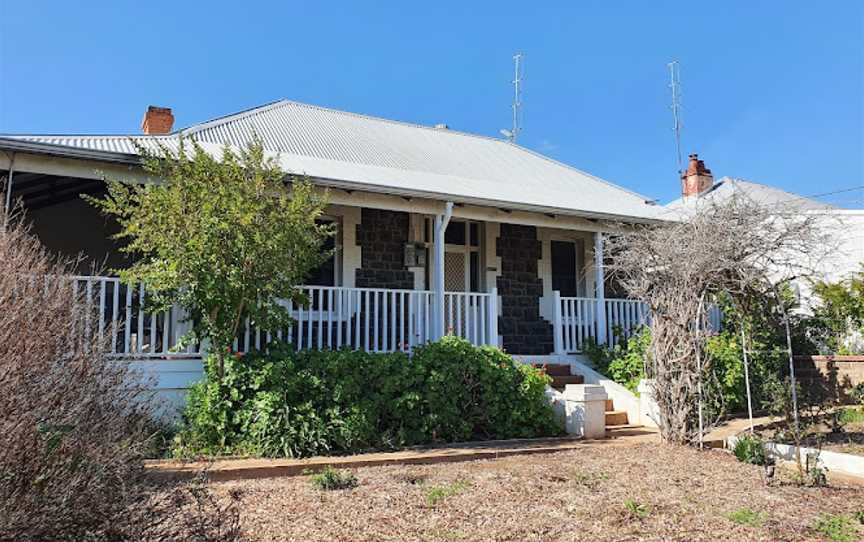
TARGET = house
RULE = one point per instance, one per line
(439, 231)
(844, 227)
(427, 216)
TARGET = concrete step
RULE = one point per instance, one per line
(553, 369)
(628, 430)
(558, 382)
(616, 417)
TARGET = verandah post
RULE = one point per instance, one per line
(493, 317)
(599, 291)
(441, 222)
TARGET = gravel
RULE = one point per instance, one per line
(597, 493)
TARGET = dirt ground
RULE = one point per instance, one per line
(643, 492)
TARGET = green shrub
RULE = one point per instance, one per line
(857, 393)
(297, 404)
(850, 415)
(836, 528)
(331, 479)
(623, 362)
(750, 449)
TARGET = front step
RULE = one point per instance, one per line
(616, 417)
(553, 369)
(558, 382)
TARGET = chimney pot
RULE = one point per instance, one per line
(696, 178)
(157, 121)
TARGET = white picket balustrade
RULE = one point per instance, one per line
(575, 321)
(370, 319)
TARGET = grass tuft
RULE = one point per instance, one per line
(745, 516)
(436, 494)
(331, 479)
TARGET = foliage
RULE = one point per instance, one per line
(331, 479)
(437, 493)
(746, 516)
(750, 449)
(287, 403)
(77, 425)
(850, 415)
(224, 238)
(636, 510)
(767, 355)
(857, 393)
(836, 528)
(736, 248)
(837, 324)
(624, 362)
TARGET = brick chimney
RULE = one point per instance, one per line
(157, 120)
(696, 179)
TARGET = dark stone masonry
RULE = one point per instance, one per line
(522, 328)
(382, 236)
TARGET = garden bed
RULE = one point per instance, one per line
(600, 492)
(848, 441)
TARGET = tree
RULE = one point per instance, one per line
(737, 248)
(225, 238)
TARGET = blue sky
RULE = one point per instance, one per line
(772, 91)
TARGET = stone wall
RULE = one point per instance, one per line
(382, 236)
(839, 374)
(522, 329)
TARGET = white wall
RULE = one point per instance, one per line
(845, 255)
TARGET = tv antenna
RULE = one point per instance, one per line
(518, 77)
(675, 85)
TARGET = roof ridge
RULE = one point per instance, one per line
(284, 101)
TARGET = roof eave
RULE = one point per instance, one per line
(50, 149)
(64, 151)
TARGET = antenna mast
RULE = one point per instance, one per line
(675, 85)
(517, 97)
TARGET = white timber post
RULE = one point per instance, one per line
(599, 282)
(493, 317)
(441, 222)
(557, 323)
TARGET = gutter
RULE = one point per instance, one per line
(50, 149)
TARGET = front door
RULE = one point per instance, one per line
(565, 275)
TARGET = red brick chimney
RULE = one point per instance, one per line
(697, 178)
(157, 120)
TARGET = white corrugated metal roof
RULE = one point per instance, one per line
(402, 157)
(728, 187)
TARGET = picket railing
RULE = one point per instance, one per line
(575, 321)
(370, 319)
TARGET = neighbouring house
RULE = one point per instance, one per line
(439, 231)
(845, 227)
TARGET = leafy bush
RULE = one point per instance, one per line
(837, 325)
(76, 425)
(297, 404)
(836, 528)
(857, 393)
(623, 362)
(331, 479)
(750, 449)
